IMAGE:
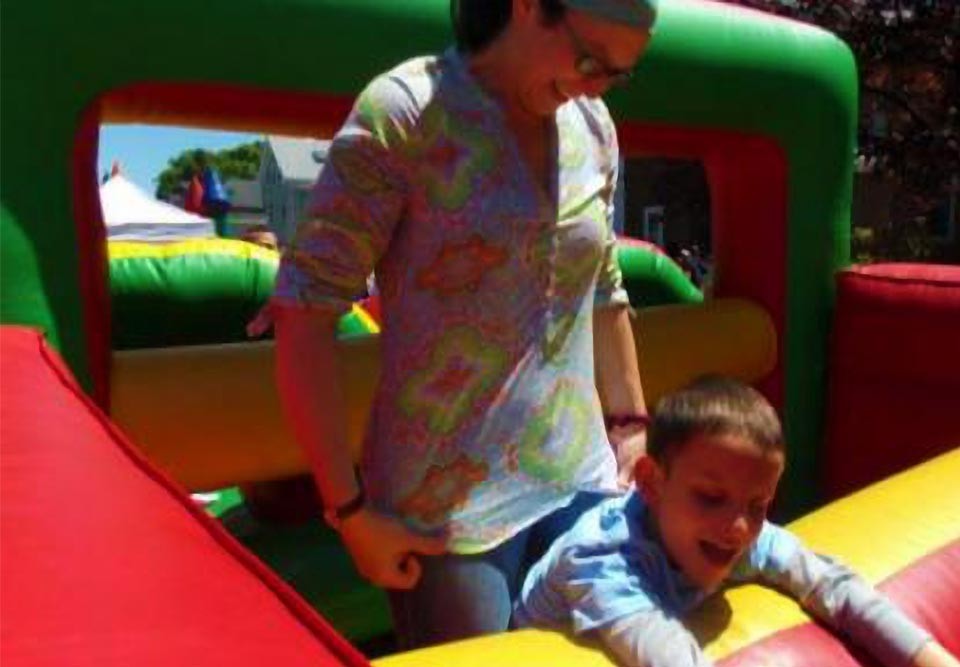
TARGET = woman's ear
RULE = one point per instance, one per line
(649, 477)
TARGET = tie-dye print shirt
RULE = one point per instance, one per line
(486, 417)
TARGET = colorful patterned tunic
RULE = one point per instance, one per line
(486, 417)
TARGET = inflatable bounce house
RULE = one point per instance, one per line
(105, 560)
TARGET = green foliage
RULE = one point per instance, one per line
(908, 241)
(907, 53)
(241, 162)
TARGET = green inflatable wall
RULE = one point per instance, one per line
(195, 293)
(653, 279)
(200, 293)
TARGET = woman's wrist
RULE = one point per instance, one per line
(335, 517)
(335, 514)
(635, 420)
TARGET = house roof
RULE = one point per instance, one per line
(298, 159)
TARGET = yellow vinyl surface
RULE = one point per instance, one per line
(210, 415)
(676, 344)
(233, 247)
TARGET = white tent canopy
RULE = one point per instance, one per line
(130, 214)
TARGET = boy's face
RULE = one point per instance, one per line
(710, 501)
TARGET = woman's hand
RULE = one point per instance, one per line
(629, 445)
(383, 549)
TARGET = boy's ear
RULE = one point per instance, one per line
(648, 475)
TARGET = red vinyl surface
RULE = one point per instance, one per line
(106, 562)
(894, 372)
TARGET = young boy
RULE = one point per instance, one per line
(633, 565)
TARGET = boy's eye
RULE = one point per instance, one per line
(709, 498)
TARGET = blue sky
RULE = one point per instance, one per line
(143, 150)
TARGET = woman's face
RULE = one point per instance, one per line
(578, 55)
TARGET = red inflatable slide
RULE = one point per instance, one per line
(104, 561)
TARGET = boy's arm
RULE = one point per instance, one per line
(651, 639)
(836, 595)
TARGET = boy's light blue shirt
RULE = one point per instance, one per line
(610, 566)
(605, 567)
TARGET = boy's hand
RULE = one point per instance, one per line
(629, 445)
(383, 549)
(934, 655)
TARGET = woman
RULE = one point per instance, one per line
(479, 185)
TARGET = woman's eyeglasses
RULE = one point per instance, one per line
(591, 67)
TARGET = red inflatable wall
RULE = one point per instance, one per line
(106, 562)
(894, 396)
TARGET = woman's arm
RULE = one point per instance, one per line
(618, 383)
(309, 386)
(308, 380)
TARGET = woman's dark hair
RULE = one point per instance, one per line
(476, 23)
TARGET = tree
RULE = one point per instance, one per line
(907, 55)
(241, 162)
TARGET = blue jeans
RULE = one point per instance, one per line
(465, 596)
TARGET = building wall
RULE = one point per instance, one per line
(284, 199)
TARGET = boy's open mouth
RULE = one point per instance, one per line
(716, 555)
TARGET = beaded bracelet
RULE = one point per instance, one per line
(615, 421)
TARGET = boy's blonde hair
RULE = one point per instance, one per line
(717, 406)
